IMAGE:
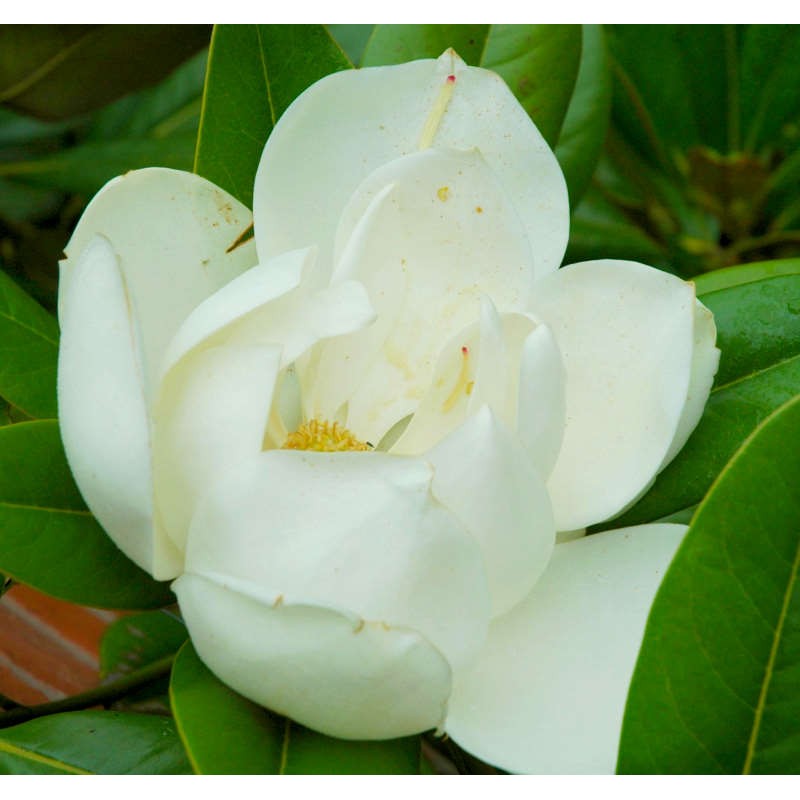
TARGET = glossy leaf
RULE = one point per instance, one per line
(584, 131)
(715, 688)
(254, 73)
(247, 739)
(28, 351)
(758, 327)
(93, 742)
(745, 273)
(49, 540)
(58, 71)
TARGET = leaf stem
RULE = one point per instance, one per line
(100, 695)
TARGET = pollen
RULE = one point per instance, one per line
(323, 436)
(443, 193)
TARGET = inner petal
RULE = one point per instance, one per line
(427, 235)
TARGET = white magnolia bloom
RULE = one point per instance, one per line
(401, 301)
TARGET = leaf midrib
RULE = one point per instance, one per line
(765, 684)
(38, 758)
(755, 373)
(4, 504)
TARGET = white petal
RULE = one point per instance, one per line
(426, 255)
(275, 303)
(102, 409)
(350, 123)
(172, 232)
(541, 399)
(705, 361)
(356, 532)
(335, 674)
(211, 414)
(625, 332)
(548, 693)
(485, 478)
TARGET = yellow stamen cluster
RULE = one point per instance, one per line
(317, 434)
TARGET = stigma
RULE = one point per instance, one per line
(323, 436)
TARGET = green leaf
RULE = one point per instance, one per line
(254, 73)
(58, 71)
(352, 39)
(28, 351)
(538, 62)
(85, 168)
(248, 740)
(47, 537)
(745, 273)
(758, 326)
(584, 131)
(134, 641)
(715, 689)
(172, 106)
(397, 44)
(600, 230)
(769, 70)
(672, 87)
(93, 742)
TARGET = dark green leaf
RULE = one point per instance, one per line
(758, 327)
(28, 351)
(600, 230)
(584, 131)
(172, 106)
(254, 73)
(58, 71)
(84, 169)
(93, 742)
(396, 44)
(47, 537)
(672, 86)
(715, 688)
(246, 739)
(769, 70)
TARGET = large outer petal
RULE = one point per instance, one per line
(548, 693)
(333, 673)
(626, 333)
(102, 408)
(349, 124)
(172, 232)
(356, 532)
(436, 233)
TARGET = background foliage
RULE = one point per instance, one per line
(681, 148)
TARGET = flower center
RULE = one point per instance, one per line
(321, 435)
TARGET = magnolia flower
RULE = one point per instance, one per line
(354, 438)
